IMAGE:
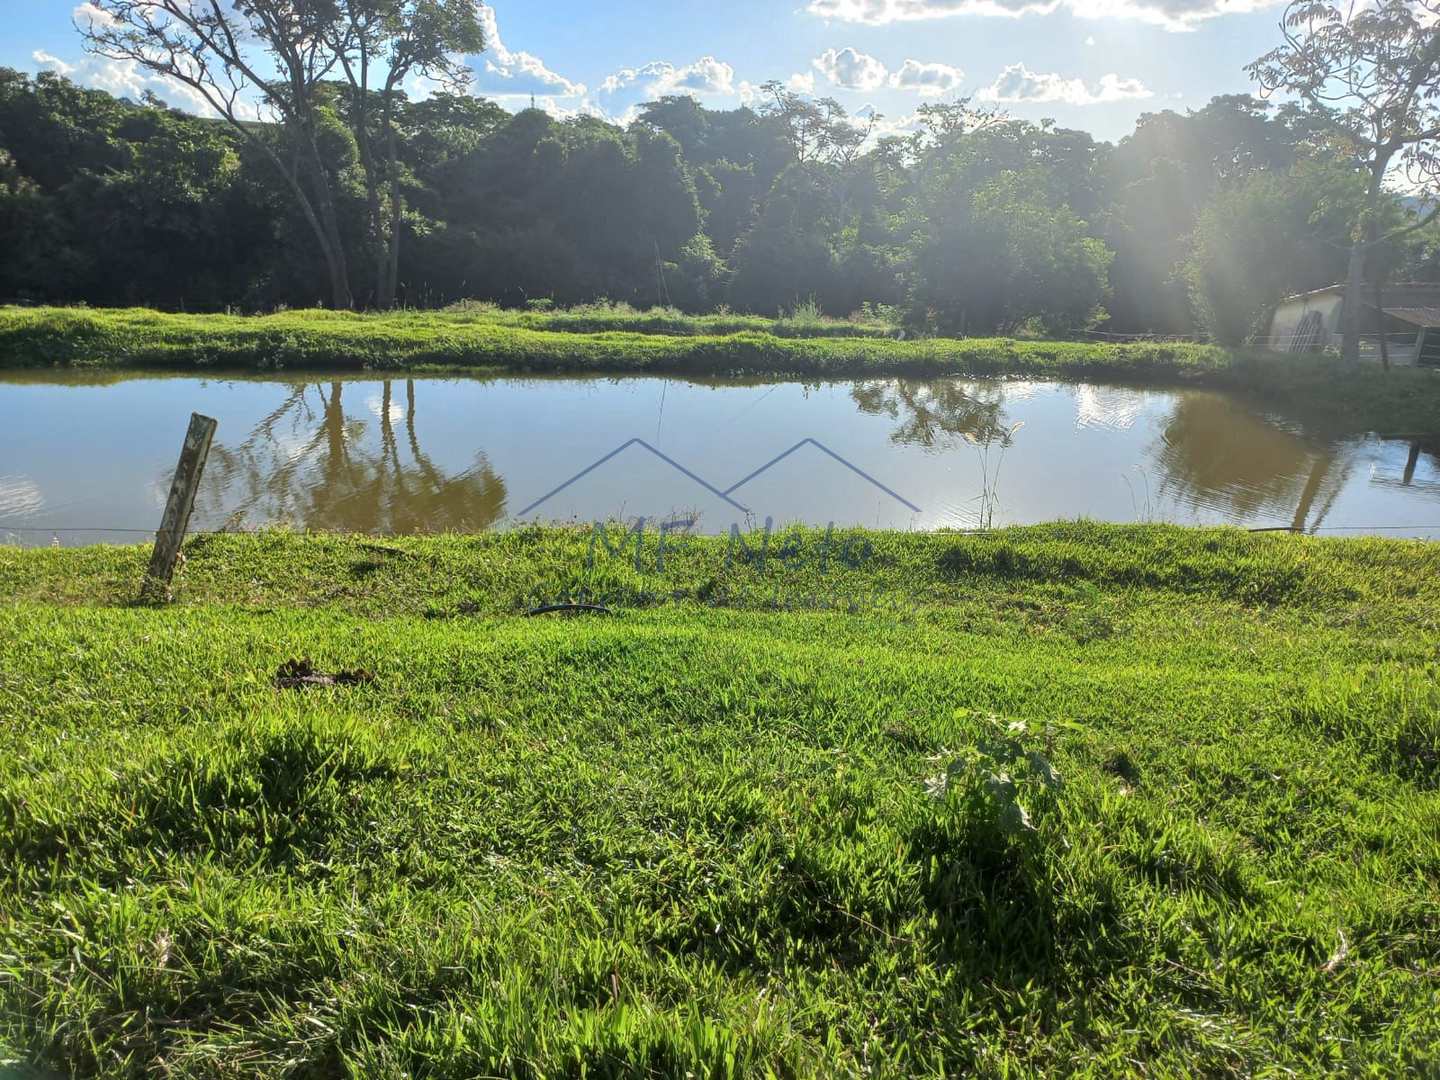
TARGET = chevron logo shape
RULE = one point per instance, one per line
(726, 493)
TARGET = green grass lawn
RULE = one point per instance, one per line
(1315, 390)
(701, 835)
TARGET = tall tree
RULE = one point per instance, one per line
(379, 44)
(1271, 235)
(211, 48)
(818, 131)
(1371, 77)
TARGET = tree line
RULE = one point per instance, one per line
(351, 193)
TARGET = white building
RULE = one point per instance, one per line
(1311, 322)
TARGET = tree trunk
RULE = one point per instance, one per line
(339, 292)
(1380, 314)
(377, 215)
(392, 276)
(340, 296)
(1375, 275)
(390, 260)
(1350, 313)
(384, 295)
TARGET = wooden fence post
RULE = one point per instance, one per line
(177, 508)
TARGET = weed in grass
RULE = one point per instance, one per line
(989, 497)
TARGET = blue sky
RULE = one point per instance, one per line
(1090, 64)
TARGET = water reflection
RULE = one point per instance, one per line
(1112, 408)
(19, 496)
(432, 454)
(1212, 455)
(937, 414)
(1407, 478)
(310, 463)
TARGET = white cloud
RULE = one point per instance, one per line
(1017, 84)
(123, 78)
(801, 83)
(418, 86)
(560, 108)
(850, 69)
(705, 76)
(927, 78)
(1171, 14)
(627, 77)
(52, 63)
(891, 125)
(1090, 40)
(510, 71)
(87, 15)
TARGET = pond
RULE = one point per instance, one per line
(85, 460)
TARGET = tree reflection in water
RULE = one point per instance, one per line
(1214, 455)
(309, 464)
(937, 413)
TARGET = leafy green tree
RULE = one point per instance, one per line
(787, 256)
(444, 128)
(1371, 78)
(575, 210)
(730, 196)
(227, 57)
(1002, 257)
(1159, 179)
(696, 280)
(1272, 235)
(817, 131)
(38, 261)
(54, 129)
(379, 44)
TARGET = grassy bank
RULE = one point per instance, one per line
(606, 317)
(696, 836)
(1316, 389)
(489, 339)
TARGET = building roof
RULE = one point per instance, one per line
(1414, 302)
(1314, 292)
(1415, 316)
(1408, 295)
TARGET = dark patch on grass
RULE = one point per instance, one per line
(302, 673)
(280, 794)
(1121, 765)
(1416, 754)
(1232, 572)
(993, 899)
(1180, 857)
